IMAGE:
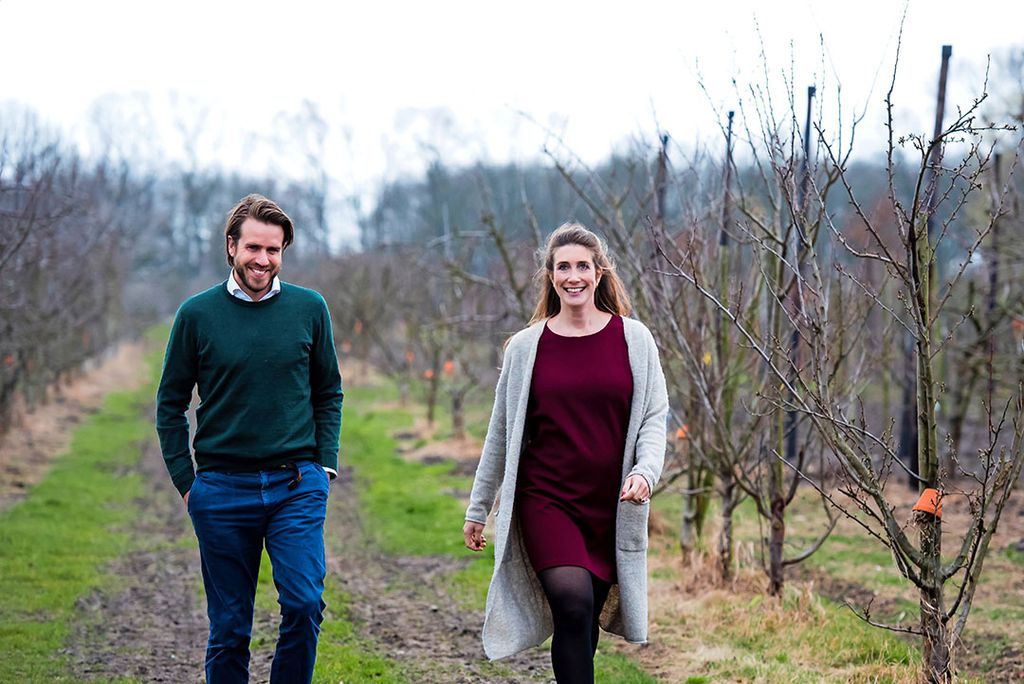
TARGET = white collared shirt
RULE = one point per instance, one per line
(236, 290)
(275, 287)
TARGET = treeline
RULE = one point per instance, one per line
(95, 247)
(92, 249)
(64, 227)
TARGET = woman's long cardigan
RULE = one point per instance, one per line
(517, 615)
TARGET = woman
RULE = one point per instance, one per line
(576, 443)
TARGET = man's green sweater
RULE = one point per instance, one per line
(268, 380)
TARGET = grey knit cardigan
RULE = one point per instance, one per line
(517, 614)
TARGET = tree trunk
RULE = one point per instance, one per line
(777, 535)
(458, 415)
(935, 647)
(689, 530)
(432, 388)
(908, 426)
(696, 500)
(777, 514)
(725, 538)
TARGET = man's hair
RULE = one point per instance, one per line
(262, 209)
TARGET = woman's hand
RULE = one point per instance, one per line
(473, 532)
(635, 490)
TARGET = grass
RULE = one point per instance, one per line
(755, 639)
(343, 655)
(802, 638)
(55, 543)
(742, 640)
(855, 559)
(615, 668)
(407, 508)
(804, 627)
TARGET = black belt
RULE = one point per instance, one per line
(294, 482)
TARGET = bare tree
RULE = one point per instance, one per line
(66, 259)
(824, 387)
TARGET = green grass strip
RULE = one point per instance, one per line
(55, 544)
(409, 507)
(408, 510)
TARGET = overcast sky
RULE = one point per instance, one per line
(472, 79)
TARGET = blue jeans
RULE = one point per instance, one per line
(234, 514)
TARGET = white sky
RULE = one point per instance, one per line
(597, 73)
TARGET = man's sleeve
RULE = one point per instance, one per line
(172, 400)
(326, 393)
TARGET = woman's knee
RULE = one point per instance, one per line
(578, 615)
(573, 608)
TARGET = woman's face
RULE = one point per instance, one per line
(574, 276)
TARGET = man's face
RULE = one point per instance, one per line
(257, 254)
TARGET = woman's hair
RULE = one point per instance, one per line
(610, 295)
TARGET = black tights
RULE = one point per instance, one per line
(576, 598)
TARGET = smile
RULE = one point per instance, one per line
(574, 290)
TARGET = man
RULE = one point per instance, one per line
(261, 353)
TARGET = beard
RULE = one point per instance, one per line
(243, 276)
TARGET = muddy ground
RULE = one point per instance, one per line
(151, 622)
(401, 604)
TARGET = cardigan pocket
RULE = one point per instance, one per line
(632, 526)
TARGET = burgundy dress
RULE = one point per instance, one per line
(570, 471)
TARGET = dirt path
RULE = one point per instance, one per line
(400, 603)
(151, 624)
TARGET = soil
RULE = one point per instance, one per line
(401, 604)
(152, 625)
(150, 622)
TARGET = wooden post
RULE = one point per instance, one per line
(801, 245)
(910, 451)
(993, 272)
